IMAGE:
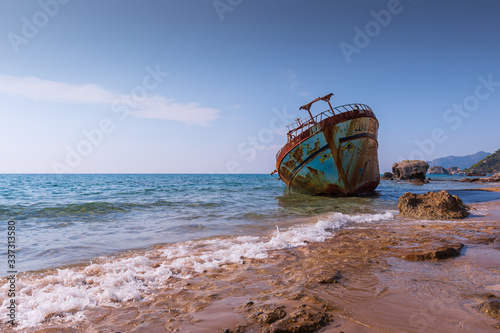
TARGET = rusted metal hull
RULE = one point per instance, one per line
(336, 156)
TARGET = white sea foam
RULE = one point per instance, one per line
(67, 292)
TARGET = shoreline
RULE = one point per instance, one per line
(367, 278)
(489, 189)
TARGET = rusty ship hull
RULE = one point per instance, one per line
(334, 153)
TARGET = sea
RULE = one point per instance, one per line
(71, 228)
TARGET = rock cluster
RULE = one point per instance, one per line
(475, 174)
(437, 170)
(432, 205)
(454, 170)
(409, 170)
(492, 179)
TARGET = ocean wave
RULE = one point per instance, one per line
(41, 211)
(85, 208)
(65, 293)
(92, 208)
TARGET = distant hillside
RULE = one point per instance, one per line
(463, 162)
(490, 164)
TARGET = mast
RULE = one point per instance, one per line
(307, 106)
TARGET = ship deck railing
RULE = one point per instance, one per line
(301, 125)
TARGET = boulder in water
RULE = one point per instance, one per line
(408, 170)
(432, 205)
(387, 176)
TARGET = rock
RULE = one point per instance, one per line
(432, 205)
(469, 180)
(417, 175)
(453, 171)
(491, 307)
(304, 320)
(418, 181)
(269, 313)
(431, 251)
(437, 170)
(410, 170)
(330, 278)
(475, 174)
(240, 329)
(387, 176)
(492, 179)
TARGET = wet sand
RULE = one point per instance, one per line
(491, 189)
(372, 278)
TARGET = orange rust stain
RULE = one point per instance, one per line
(297, 154)
(313, 171)
(331, 133)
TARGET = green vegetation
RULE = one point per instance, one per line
(489, 164)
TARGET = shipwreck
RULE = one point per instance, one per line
(334, 153)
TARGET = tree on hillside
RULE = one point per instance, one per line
(489, 164)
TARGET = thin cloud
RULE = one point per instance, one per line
(152, 107)
(158, 107)
(51, 91)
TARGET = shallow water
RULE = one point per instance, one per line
(186, 224)
(65, 219)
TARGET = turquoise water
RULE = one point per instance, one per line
(96, 241)
(67, 219)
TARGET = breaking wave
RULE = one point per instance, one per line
(65, 293)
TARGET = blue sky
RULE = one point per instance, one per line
(207, 86)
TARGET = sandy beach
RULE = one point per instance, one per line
(491, 189)
(403, 276)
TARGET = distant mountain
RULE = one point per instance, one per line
(463, 162)
(489, 164)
